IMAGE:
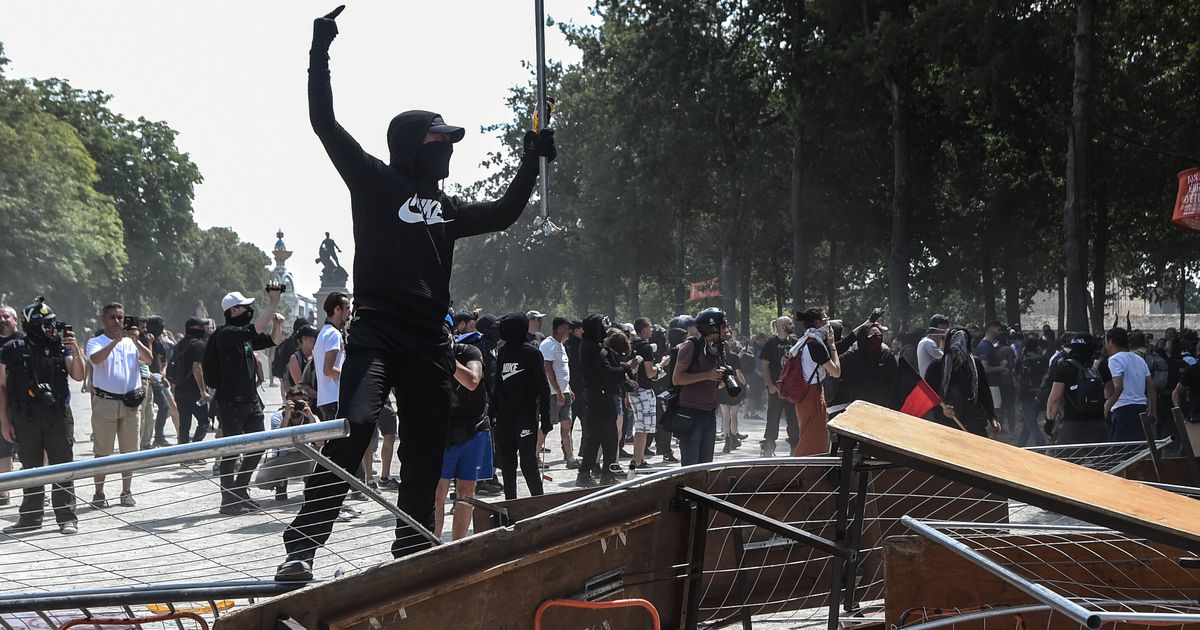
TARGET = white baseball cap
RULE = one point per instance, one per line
(235, 298)
(535, 315)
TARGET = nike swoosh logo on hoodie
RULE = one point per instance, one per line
(417, 210)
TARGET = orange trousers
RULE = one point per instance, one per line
(812, 417)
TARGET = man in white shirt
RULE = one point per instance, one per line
(1133, 391)
(117, 394)
(329, 352)
(929, 349)
(558, 373)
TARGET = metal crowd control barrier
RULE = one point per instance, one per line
(130, 462)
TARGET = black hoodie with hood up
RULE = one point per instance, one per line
(404, 226)
(520, 377)
(601, 372)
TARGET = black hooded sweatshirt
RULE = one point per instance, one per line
(602, 374)
(520, 378)
(404, 226)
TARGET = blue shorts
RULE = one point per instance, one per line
(470, 460)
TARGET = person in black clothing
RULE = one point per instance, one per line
(603, 377)
(1031, 370)
(191, 394)
(520, 386)
(1079, 425)
(468, 456)
(158, 388)
(869, 371)
(283, 355)
(773, 356)
(959, 378)
(239, 408)
(405, 229)
(35, 410)
(579, 401)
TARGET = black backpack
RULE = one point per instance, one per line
(1088, 400)
(177, 372)
(1033, 372)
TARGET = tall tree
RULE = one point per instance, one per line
(1079, 138)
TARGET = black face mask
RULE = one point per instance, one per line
(243, 319)
(432, 162)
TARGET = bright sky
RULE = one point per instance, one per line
(230, 78)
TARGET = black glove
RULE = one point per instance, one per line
(540, 144)
(325, 29)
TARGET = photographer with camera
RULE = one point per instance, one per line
(700, 369)
(117, 393)
(275, 469)
(604, 378)
(231, 366)
(35, 409)
(817, 352)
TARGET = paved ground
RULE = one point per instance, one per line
(175, 534)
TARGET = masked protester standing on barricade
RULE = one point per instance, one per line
(405, 229)
(959, 379)
(35, 409)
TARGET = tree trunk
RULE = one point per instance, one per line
(800, 236)
(1099, 274)
(989, 287)
(898, 261)
(744, 287)
(680, 264)
(633, 298)
(1012, 294)
(1075, 214)
(1062, 305)
(831, 278)
(1183, 287)
(729, 251)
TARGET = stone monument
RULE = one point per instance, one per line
(297, 304)
(333, 275)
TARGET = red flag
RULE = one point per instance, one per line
(705, 289)
(914, 395)
(1187, 202)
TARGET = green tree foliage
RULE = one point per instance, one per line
(700, 138)
(96, 207)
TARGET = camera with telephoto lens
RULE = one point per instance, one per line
(43, 394)
(730, 380)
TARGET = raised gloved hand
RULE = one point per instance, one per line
(325, 29)
(540, 144)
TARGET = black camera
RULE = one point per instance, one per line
(876, 314)
(730, 380)
(299, 405)
(43, 394)
(132, 322)
(276, 286)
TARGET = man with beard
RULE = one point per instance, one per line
(405, 229)
(8, 332)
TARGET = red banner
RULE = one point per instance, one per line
(705, 289)
(1187, 202)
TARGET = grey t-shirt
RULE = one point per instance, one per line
(927, 352)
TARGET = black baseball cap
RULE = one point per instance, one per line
(195, 322)
(437, 125)
(559, 321)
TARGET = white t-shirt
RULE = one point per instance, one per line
(118, 374)
(554, 351)
(329, 340)
(927, 352)
(1133, 371)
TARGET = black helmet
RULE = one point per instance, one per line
(710, 320)
(36, 316)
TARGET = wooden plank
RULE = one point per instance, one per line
(525, 507)
(921, 573)
(1037, 479)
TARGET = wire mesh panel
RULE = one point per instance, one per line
(1111, 457)
(1087, 576)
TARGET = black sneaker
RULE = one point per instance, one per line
(389, 483)
(98, 501)
(357, 496)
(161, 443)
(670, 458)
(607, 479)
(21, 528)
(586, 480)
(644, 465)
(294, 570)
(625, 454)
(236, 509)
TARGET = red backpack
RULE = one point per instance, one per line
(793, 387)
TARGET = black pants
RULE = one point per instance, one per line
(776, 407)
(239, 418)
(601, 423)
(662, 437)
(45, 434)
(160, 393)
(191, 405)
(423, 396)
(509, 446)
